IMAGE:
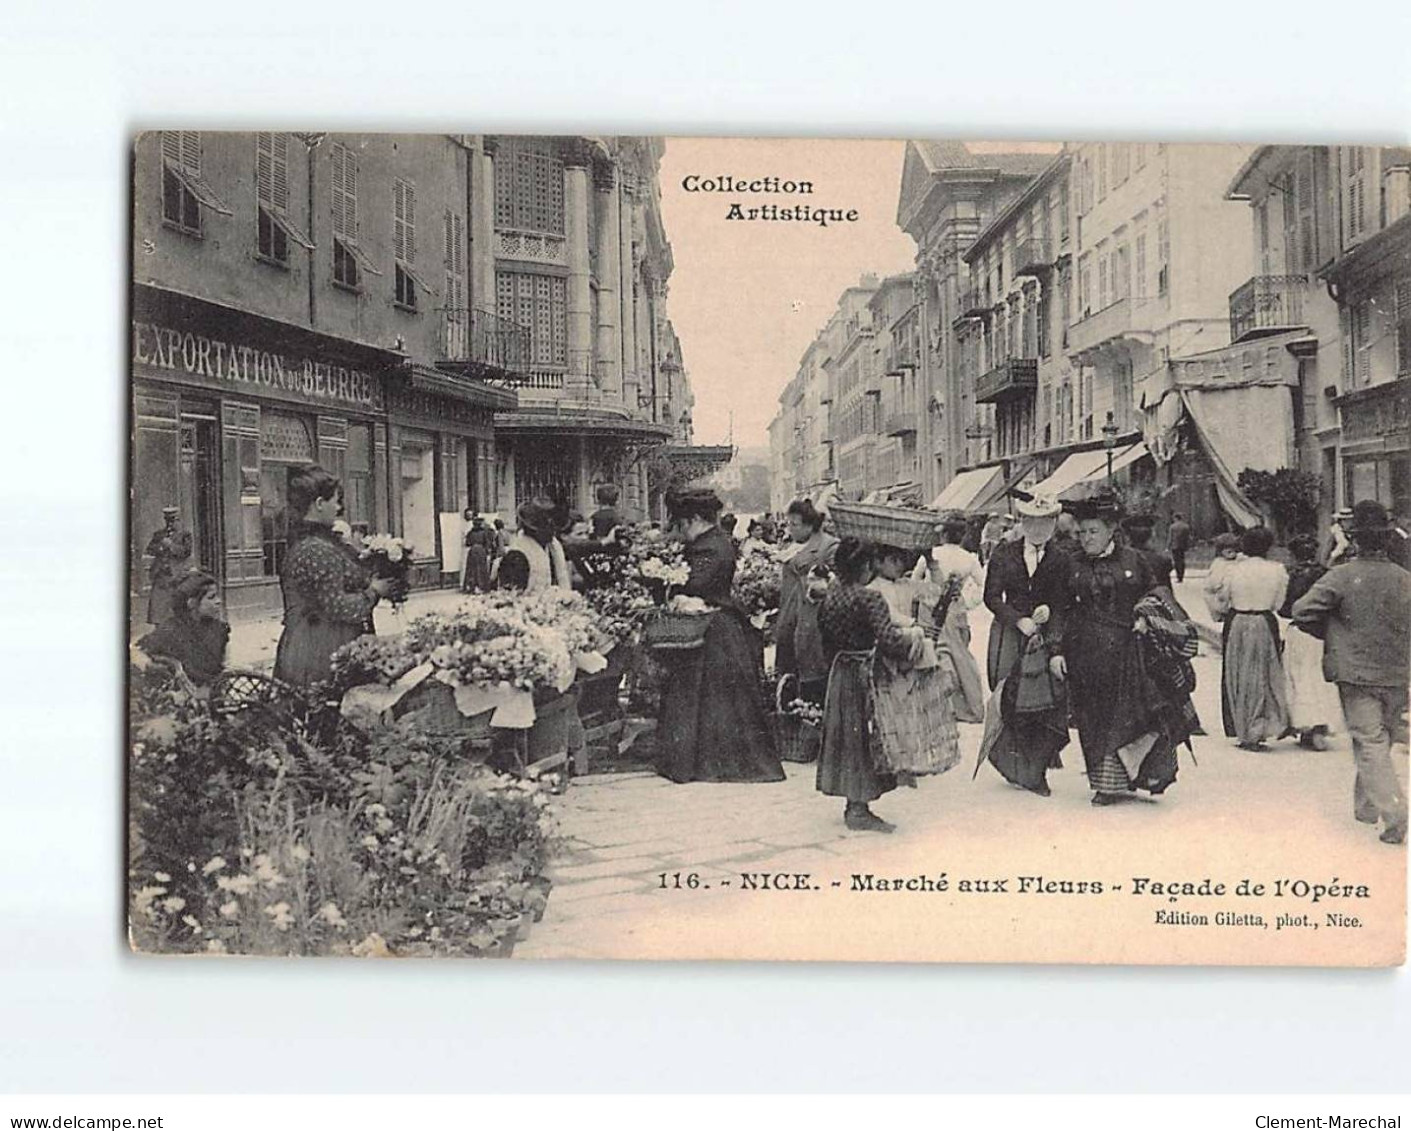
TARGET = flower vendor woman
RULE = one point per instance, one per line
(798, 645)
(195, 635)
(856, 627)
(1124, 744)
(1024, 588)
(713, 725)
(537, 540)
(950, 560)
(328, 594)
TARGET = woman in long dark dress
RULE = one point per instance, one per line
(713, 726)
(1125, 744)
(857, 627)
(1024, 588)
(328, 594)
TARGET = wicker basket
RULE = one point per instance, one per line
(911, 528)
(675, 632)
(795, 739)
(432, 706)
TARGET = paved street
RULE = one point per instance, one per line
(1234, 814)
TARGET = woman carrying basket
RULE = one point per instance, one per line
(857, 628)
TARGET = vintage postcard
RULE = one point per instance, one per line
(685, 548)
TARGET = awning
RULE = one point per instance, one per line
(1083, 467)
(461, 388)
(962, 492)
(1098, 478)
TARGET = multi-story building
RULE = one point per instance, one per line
(1010, 338)
(575, 251)
(948, 196)
(895, 468)
(304, 298)
(856, 380)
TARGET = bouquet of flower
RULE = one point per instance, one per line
(489, 647)
(619, 608)
(658, 562)
(389, 558)
(756, 586)
(805, 712)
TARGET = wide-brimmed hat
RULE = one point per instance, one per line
(173, 511)
(1028, 504)
(1369, 516)
(538, 515)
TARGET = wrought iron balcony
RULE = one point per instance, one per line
(901, 423)
(1010, 378)
(974, 304)
(1267, 304)
(1033, 257)
(902, 355)
(477, 343)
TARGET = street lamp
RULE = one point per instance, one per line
(1109, 439)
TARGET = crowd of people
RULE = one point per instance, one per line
(1088, 636)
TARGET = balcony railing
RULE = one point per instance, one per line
(974, 304)
(485, 344)
(1033, 257)
(1267, 304)
(901, 423)
(1009, 378)
(902, 355)
(1103, 327)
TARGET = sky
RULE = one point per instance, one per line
(746, 297)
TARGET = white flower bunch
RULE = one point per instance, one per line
(394, 548)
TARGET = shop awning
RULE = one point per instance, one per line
(1084, 466)
(1097, 478)
(462, 388)
(966, 489)
(566, 422)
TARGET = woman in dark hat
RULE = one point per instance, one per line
(713, 725)
(1126, 745)
(328, 593)
(195, 635)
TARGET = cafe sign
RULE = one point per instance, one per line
(238, 364)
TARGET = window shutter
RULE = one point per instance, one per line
(350, 193)
(335, 162)
(399, 220)
(458, 244)
(446, 257)
(279, 172)
(191, 150)
(409, 221)
(264, 168)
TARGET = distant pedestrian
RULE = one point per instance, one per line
(168, 548)
(1362, 611)
(1255, 699)
(1139, 529)
(479, 553)
(1313, 701)
(1178, 543)
(991, 536)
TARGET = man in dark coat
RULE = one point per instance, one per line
(1178, 543)
(168, 548)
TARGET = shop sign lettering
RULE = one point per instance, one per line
(163, 348)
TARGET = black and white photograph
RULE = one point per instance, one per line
(641, 547)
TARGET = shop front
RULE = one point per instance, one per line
(443, 454)
(1376, 445)
(224, 403)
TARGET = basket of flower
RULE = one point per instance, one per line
(679, 627)
(907, 527)
(798, 730)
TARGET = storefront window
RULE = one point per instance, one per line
(285, 441)
(418, 481)
(357, 482)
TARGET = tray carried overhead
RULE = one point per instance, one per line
(907, 527)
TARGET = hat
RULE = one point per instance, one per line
(191, 588)
(1139, 522)
(1369, 515)
(1103, 504)
(537, 515)
(170, 511)
(1031, 505)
